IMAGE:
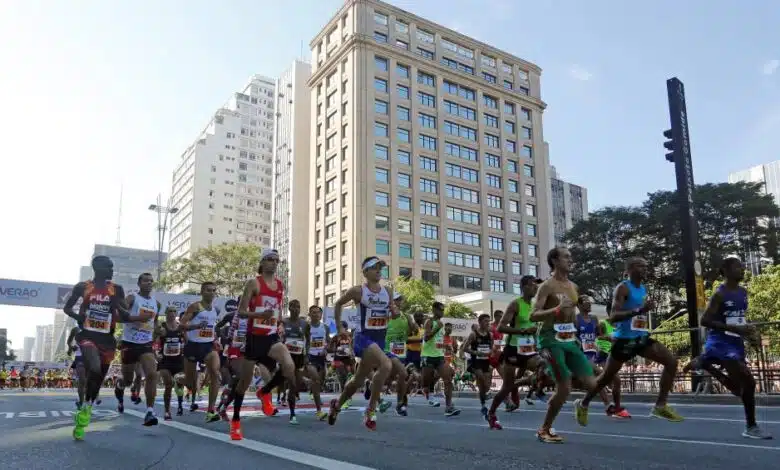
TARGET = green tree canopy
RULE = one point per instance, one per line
(228, 265)
(457, 310)
(418, 294)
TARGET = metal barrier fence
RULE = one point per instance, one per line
(640, 376)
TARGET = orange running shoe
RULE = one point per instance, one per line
(235, 431)
(268, 405)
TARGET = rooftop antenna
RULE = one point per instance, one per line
(119, 218)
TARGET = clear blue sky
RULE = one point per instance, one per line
(99, 93)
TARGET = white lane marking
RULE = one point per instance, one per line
(451, 422)
(522, 410)
(53, 413)
(268, 449)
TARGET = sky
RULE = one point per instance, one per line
(102, 94)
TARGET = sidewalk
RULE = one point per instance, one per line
(720, 399)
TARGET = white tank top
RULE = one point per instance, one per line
(374, 311)
(316, 339)
(142, 332)
(205, 334)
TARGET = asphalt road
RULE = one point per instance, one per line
(36, 429)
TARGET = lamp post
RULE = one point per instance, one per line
(162, 225)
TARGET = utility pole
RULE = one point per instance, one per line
(162, 226)
(678, 144)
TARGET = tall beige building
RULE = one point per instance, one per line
(428, 152)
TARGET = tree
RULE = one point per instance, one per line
(227, 265)
(457, 310)
(418, 294)
(6, 353)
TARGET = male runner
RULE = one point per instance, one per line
(236, 341)
(479, 345)
(499, 341)
(632, 338)
(433, 360)
(604, 345)
(103, 304)
(171, 363)
(261, 303)
(727, 330)
(413, 354)
(199, 321)
(317, 335)
(557, 338)
(137, 340)
(520, 352)
(295, 340)
(398, 329)
(587, 333)
(376, 308)
(77, 366)
(343, 361)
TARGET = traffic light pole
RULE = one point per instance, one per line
(681, 157)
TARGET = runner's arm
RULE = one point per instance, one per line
(250, 290)
(468, 346)
(429, 331)
(619, 299)
(327, 339)
(75, 295)
(124, 310)
(710, 318)
(504, 324)
(184, 323)
(224, 321)
(306, 338)
(352, 295)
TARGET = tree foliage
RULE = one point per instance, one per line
(418, 294)
(731, 220)
(457, 310)
(228, 265)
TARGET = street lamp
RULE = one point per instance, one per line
(162, 226)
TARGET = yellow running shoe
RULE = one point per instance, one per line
(666, 412)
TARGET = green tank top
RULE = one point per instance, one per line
(395, 338)
(522, 320)
(434, 347)
(604, 345)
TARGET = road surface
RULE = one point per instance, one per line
(36, 429)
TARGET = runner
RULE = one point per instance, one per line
(587, 332)
(433, 360)
(236, 341)
(725, 346)
(199, 321)
(398, 329)
(137, 350)
(171, 363)
(317, 336)
(295, 340)
(261, 303)
(604, 344)
(499, 342)
(557, 338)
(632, 338)
(79, 376)
(413, 354)
(376, 309)
(343, 361)
(479, 345)
(101, 307)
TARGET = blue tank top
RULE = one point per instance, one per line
(732, 312)
(587, 333)
(639, 325)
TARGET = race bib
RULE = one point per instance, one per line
(399, 349)
(376, 320)
(589, 346)
(526, 345)
(343, 350)
(269, 325)
(640, 323)
(97, 322)
(565, 332)
(206, 332)
(735, 321)
(172, 349)
(295, 346)
(483, 350)
(317, 343)
(499, 342)
(147, 326)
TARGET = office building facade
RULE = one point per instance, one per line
(569, 205)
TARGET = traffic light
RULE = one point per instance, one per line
(669, 145)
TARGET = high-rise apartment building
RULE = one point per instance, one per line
(29, 347)
(569, 205)
(428, 151)
(40, 342)
(222, 185)
(292, 184)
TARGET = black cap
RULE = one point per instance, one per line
(528, 279)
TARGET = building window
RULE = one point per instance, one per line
(515, 248)
(403, 135)
(380, 85)
(530, 210)
(380, 37)
(404, 157)
(426, 79)
(429, 231)
(526, 151)
(493, 180)
(429, 186)
(381, 152)
(405, 250)
(381, 64)
(512, 186)
(532, 250)
(380, 107)
(403, 91)
(426, 99)
(491, 140)
(529, 191)
(402, 113)
(429, 254)
(533, 270)
(382, 247)
(430, 276)
(402, 70)
(490, 120)
(380, 129)
(381, 199)
(496, 243)
(382, 175)
(525, 133)
(427, 142)
(429, 208)
(489, 102)
(404, 203)
(427, 120)
(404, 180)
(530, 230)
(427, 163)
(492, 160)
(496, 265)
(380, 18)
(382, 222)
(465, 260)
(497, 285)
(404, 226)
(528, 171)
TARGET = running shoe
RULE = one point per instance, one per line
(267, 400)
(493, 422)
(548, 436)
(666, 412)
(754, 432)
(369, 419)
(580, 413)
(334, 411)
(235, 430)
(150, 419)
(212, 417)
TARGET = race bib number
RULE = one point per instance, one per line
(640, 323)
(376, 320)
(565, 332)
(97, 322)
(206, 332)
(526, 345)
(172, 349)
(148, 325)
(589, 346)
(266, 326)
(499, 342)
(343, 350)
(295, 346)
(399, 349)
(483, 350)
(735, 321)
(317, 343)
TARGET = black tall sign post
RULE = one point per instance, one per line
(680, 154)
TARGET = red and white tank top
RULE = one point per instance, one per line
(267, 299)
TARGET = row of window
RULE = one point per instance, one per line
(404, 180)
(382, 152)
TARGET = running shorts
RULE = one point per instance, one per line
(318, 362)
(434, 363)
(172, 366)
(257, 347)
(197, 352)
(106, 349)
(479, 365)
(566, 360)
(299, 360)
(625, 349)
(361, 342)
(132, 352)
(723, 351)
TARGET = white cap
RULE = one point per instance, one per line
(371, 262)
(268, 253)
(397, 295)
